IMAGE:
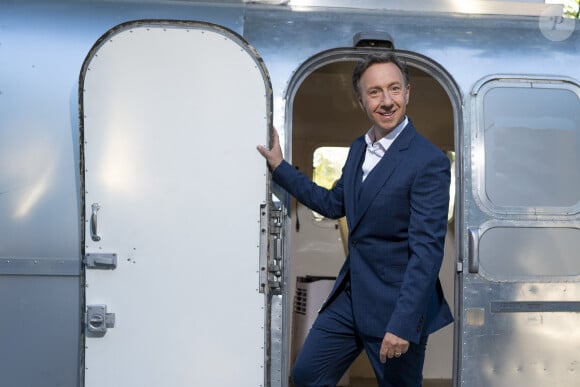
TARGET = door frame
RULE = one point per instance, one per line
(455, 96)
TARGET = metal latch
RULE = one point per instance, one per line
(276, 253)
(98, 320)
(101, 261)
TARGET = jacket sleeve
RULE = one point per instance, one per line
(329, 203)
(429, 202)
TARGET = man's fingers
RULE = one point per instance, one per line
(274, 154)
(263, 151)
(275, 138)
(383, 356)
(386, 352)
(391, 353)
(392, 347)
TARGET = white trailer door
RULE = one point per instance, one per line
(173, 184)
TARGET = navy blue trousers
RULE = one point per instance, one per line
(333, 343)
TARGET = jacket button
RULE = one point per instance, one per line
(353, 243)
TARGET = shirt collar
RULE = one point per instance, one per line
(385, 141)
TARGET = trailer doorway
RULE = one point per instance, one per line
(322, 113)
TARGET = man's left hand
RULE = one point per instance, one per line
(393, 346)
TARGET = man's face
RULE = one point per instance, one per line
(384, 96)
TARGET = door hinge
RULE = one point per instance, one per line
(263, 260)
(97, 320)
(276, 250)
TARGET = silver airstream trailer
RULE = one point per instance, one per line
(143, 244)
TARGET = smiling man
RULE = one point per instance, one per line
(383, 93)
(394, 191)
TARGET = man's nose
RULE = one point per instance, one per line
(386, 98)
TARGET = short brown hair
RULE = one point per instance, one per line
(372, 59)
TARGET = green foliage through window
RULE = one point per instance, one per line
(327, 165)
(571, 7)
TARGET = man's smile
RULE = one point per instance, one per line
(389, 114)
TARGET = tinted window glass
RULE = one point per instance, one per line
(515, 253)
(532, 147)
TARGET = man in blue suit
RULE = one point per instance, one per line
(394, 191)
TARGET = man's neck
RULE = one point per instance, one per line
(378, 134)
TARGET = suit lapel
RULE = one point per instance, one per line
(379, 176)
(353, 177)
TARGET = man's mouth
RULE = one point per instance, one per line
(387, 114)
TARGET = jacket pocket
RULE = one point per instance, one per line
(393, 273)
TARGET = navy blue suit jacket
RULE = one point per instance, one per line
(397, 220)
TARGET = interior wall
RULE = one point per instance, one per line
(325, 113)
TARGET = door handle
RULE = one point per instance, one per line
(94, 209)
(473, 249)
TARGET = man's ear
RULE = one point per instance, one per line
(408, 93)
(360, 102)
